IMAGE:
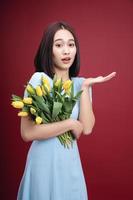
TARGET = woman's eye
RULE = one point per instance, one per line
(58, 45)
(71, 44)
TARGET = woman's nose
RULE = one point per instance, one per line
(66, 50)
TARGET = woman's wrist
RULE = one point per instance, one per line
(71, 123)
(86, 84)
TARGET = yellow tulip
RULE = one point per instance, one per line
(27, 100)
(30, 89)
(32, 110)
(48, 87)
(45, 82)
(22, 114)
(57, 82)
(42, 87)
(39, 91)
(38, 120)
(67, 84)
(17, 104)
(68, 91)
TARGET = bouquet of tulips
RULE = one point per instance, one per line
(45, 104)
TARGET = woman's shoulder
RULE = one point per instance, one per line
(78, 83)
(37, 75)
(78, 80)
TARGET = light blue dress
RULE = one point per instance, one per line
(53, 172)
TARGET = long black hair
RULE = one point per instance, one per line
(43, 60)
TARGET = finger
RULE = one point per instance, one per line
(110, 76)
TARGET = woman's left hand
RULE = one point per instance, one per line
(99, 79)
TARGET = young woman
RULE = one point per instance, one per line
(53, 172)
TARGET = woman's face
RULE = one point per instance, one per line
(64, 49)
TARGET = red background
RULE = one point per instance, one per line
(105, 32)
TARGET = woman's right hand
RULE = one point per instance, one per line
(76, 128)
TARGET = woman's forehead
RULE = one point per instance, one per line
(63, 34)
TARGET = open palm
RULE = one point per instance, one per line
(99, 79)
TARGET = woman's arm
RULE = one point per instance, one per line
(30, 131)
(86, 115)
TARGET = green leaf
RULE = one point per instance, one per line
(56, 109)
(77, 96)
(46, 90)
(54, 79)
(16, 98)
(67, 107)
(72, 90)
(49, 117)
(60, 98)
(26, 109)
(43, 116)
(60, 86)
(40, 103)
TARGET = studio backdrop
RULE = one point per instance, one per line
(105, 33)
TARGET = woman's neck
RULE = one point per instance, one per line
(62, 74)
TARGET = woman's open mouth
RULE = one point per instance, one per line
(66, 60)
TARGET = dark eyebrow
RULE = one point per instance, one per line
(62, 39)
